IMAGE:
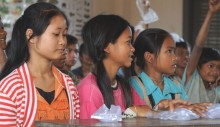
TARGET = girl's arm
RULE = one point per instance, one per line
(214, 6)
(143, 110)
(8, 110)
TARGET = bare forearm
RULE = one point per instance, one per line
(199, 44)
(203, 32)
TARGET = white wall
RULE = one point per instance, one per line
(170, 12)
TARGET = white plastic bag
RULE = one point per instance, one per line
(108, 115)
(176, 37)
(213, 111)
(177, 114)
(148, 15)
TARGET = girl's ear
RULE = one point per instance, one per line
(148, 57)
(108, 48)
(29, 32)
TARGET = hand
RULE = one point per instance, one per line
(171, 104)
(143, 6)
(141, 110)
(214, 5)
(198, 108)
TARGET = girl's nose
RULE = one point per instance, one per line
(174, 58)
(132, 48)
(62, 40)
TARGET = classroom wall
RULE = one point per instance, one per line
(170, 12)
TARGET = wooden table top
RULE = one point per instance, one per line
(135, 122)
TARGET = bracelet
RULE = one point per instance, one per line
(128, 113)
(156, 107)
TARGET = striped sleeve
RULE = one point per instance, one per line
(11, 100)
(7, 111)
(18, 101)
(74, 97)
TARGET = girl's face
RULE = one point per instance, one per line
(210, 71)
(122, 51)
(166, 59)
(51, 44)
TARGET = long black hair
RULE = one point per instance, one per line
(97, 34)
(36, 17)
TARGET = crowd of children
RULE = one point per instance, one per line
(36, 81)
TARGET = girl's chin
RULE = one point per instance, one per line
(127, 65)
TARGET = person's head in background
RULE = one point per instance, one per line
(108, 39)
(34, 33)
(72, 49)
(3, 34)
(154, 52)
(86, 63)
(182, 52)
(209, 66)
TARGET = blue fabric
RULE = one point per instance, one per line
(151, 88)
(194, 78)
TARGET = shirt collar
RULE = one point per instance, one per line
(148, 83)
(169, 85)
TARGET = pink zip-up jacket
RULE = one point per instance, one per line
(18, 98)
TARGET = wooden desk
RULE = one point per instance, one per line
(136, 122)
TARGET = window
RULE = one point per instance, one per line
(194, 14)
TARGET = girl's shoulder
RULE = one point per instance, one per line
(88, 83)
(172, 85)
(88, 88)
(12, 84)
(11, 79)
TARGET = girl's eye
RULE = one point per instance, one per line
(64, 33)
(210, 66)
(170, 51)
(129, 42)
(56, 34)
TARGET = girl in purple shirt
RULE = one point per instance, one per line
(107, 39)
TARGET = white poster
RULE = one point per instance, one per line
(77, 11)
